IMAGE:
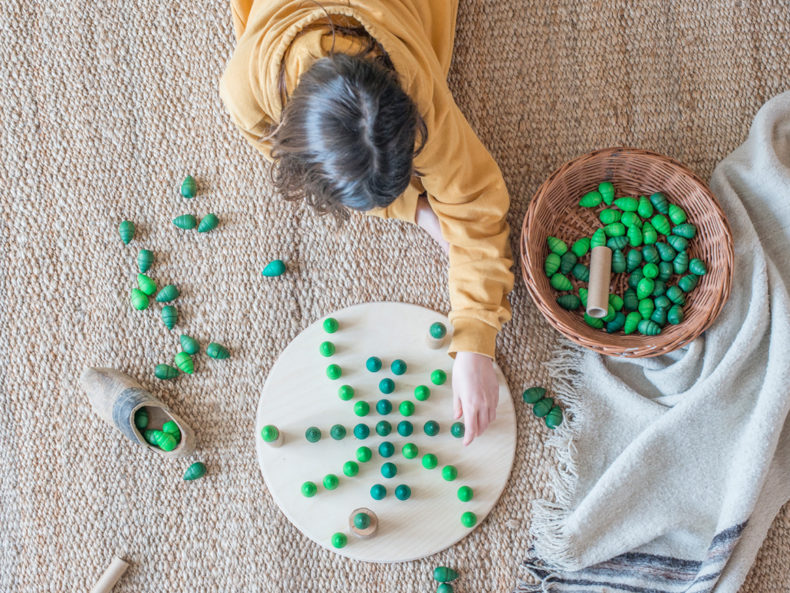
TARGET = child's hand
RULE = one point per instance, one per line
(475, 392)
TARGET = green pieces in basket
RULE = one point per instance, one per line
(556, 245)
(581, 247)
(560, 282)
(627, 204)
(591, 199)
(569, 301)
(551, 265)
(598, 239)
(697, 267)
(606, 189)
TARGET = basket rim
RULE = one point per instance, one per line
(647, 346)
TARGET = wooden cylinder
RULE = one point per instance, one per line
(600, 277)
(110, 576)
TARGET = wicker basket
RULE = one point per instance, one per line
(554, 211)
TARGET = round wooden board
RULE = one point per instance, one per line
(298, 394)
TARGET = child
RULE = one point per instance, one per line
(349, 99)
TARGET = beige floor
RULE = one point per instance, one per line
(107, 105)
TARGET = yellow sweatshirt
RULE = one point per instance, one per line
(464, 185)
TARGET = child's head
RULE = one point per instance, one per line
(346, 137)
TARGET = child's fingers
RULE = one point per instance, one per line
(482, 422)
(471, 428)
(457, 410)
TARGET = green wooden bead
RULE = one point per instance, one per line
(139, 299)
(651, 255)
(373, 364)
(590, 199)
(409, 450)
(634, 278)
(145, 259)
(686, 230)
(554, 418)
(337, 432)
(444, 588)
(402, 492)
(617, 242)
(581, 247)
(145, 284)
(606, 189)
(361, 520)
(150, 436)
(326, 349)
(169, 316)
(598, 239)
(195, 471)
(676, 214)
(676, 295)
(698, 267)
(660, 202)
(331, 481)
(556, 245)
(662, 302)
(465, 494)
(339, 540)
(361, 408)
(533, 395)
(648, 327)
(208, 223)
(634, 235)
(383, 428)
(593, 321)
(677, 243)
(630, 300)
(568, 301)
(431, 428)
(616, 302)
(458, 429)
(567, 261)
(405, 428)
(610, 314)
(661, 224)
(438, 377)
(646, 308)
(185, 363)
(429, 461)
(330, 325)
(389, 470)
(665, 252)
(627, 204)
(665, 271)
(616, 324)
(644, 288)
(384, 407)
(618, 262)
(126, 230)
(633, 260)
(560, 282)
(681, 263)
(645, 208)
(171, 427)
(659, 316)
(185, 221)
(406, 408)
(616, 229)
(313, 434)
(386, 449)
(398, 367)
(277, 268)
(542, 407)
(583, 296)
(333, 371)
(361, 431)
(650, 270)
(444, 574)
(188, 187)
(437, 330)
(378, 492)
(659, 288)
(630, 219)
(386, 386)
(688, 283)
(468, 519)
(351, 468)
(141, 418)
(345, 392)
(609, 215)
(632, 322)
(167, 294)
(581, 272)
(421, 393)
(166, 441)
(449, 473)
(189, 345)
(364, 454)
(649, 234)
(165, 372)
(270, 433)
(675, 315)
(217, 351)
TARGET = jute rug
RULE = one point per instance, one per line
(106, 106)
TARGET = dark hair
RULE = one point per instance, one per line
(347, 136)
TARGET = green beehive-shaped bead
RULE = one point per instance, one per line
(378, 492)
(581, 272)
(386, 449)
(126, 231)
(184, 363)
(188, 187)
(634, 278)
(665, 252)
(659, 316)
(139, 299)
(185, 221)
(330, 323)
(648, 327)
(686, 230)
(145, 259)
(606, 189)
(431, 428)
(688, 283)
(167, 294)
(617, 242)
(351, 468)
(659, 288)
(309, 490)
(165, 372)
(681, 263)
(634, 235)
(208, 223)
(581, 247)
(661, 224)
(630, 300)
(593, 321)
(468, 519)
(675, 315)
(438, 377)
(444, 574)
(697, 267)
(277, 268)
(331, 481)
(618, 262)
(567, 261)
(632, 322)
(677, 243)
(362, 408)
(409, 450)
(569, 302)
(644, 288)
(676, 214)
(465, 494)
(630, 219)
(361, 431)
(429, 461)
(554, 418)
(421, 393)
(337, 432)
(560, 282)
(363, 454)
(650, 270)
(649, 234)
(386, 386)
(141, 418)
(665, 271)
(556, 245)
(405, 428)
(609, 215)
(662, 302)
(646, 308)
(217, 351)
(171, 427)
(645, 208)
(660, 202)
(542, 407)
(616, 229)
(195, 471)
(610, 314)
(633, 260)
(627, 204)
(616, 302)
(339, 540)
(583, 296)
(676, 295)
(616, 324)
(333, 371)
(551, 264)
(598, 239)
(312, 434)
(590, 199)
(650, 254)
(145, 284)
(345, 392)
(189, 345)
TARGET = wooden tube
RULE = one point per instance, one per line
(600, 276)
(110, 576)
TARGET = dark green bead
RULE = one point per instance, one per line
(402, 492)
(330, 325)
(697, 267)
(665, 252)
(188, 187)
(185, 221)
(189, 345)
(144, 260)
(326, 349)
(581, 272)
(569, 302)
(633, 260)
(386, 449)
(373, 364)
(167, 294)
(650, 254)
(195, 471)
(421, 393)
(337, 432)
(620, 242)
(169, 316)
(208, 223)
(675, 315)
(431, 428)
(378, 492)
(386, 386)
(677, 243)
(676, 295)
(567, 261)
(659, 316)
(389, 470)
(687, 231)
(126, 231)
(443, 574)
(659, 288)
(457, 430)
(383, 428)
(554, 418)
(398, 367)
(313, 434)
(384, 406)
(141, 418)
(662, 302)
(533, 395)
(165, 372)
(618, 262)
(217, 351)
(648, 328)
(616, 324)
(635, 277)
(665, 271)
(688, 283)
(630, 300)
(542, 407)
(361, 521)
(405, 428)
(551, 265)
(660, 202)
(361, 431)
(681, 263)
(609, 215)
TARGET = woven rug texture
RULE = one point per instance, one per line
(106, 106)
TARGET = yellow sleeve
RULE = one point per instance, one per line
(404, 207)
(468, 194)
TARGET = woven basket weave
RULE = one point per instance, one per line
(555, 211)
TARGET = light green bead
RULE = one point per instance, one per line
(333, 371)
(331, 481)
(630, 219)
(590, 199)
(560, 282)
(635, 237)
(649, 234)
(185, 221)
(339, 540)
(465, 494)
(270, 433)
(660, 202)
(598, 239)
(208, 223)
(139, 299)
(606, 189)
(185, 363)
(406, 408)
(449, 473)
(438, 377)
(468, 519)
(421, 393)
(646, 308)
(661, 224)
(554, 418)
(346, 392)
(616, 229)
(437, 330)
(556, 245)
(429, 461)
(361, 408)
(645, 288)
(171, 427)
(627, 204)
(145, 284)
(409, 450)
(551, 264)
(364, 454)
(593, 321)
(580, 247)
(351, 468)
(126, 231)
(645, 208)
(330, 325)
(632, 322)
(650, 270)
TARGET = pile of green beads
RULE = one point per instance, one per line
(543, 407)
(649, 239)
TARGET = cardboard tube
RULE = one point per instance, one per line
(600, 276)
(107, 580)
